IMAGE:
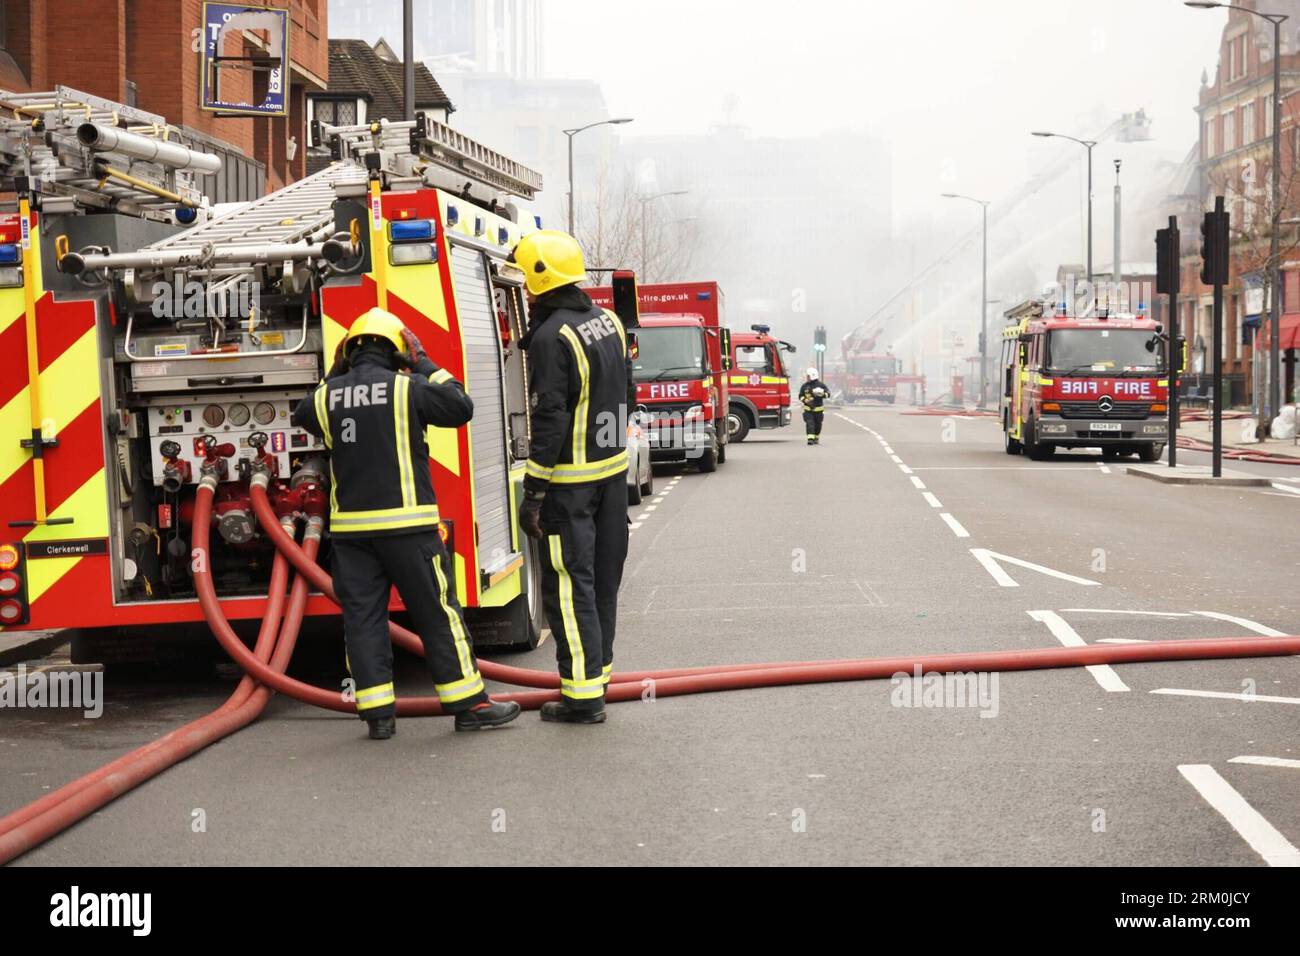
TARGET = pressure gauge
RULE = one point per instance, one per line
(264, 413)
(238, 414)
(213, 415)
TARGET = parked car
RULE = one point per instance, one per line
(640, 479)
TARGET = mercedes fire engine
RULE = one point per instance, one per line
(138, 356)
(760, 382)
(682, 356)
(1071, 381)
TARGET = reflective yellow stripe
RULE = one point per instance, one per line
(1044, 381)
(606, 672)
(386, 519)
(1163, 383)
(586, 689)
(574, 474)
(440, 376)
(369, 698)
(584, 396)
(774, 380)
(618, 325)
(323, 415)
(567, 612)
(402, 438)
(459, 690)
(739, 379)
(538, 471)
(467, 668)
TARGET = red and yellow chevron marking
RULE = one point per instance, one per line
(421, 296)
(68, 396)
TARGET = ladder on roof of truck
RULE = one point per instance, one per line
(151, 169)
(407, 146)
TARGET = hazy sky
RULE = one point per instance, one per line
(953, 85)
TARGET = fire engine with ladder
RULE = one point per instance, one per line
(147, 341)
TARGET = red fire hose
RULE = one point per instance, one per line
(1237, 454)
(35, 823)
(83, 797)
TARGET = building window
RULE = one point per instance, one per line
(336, 112)
(1248, 131)
(1208, 138)
(1229, 131)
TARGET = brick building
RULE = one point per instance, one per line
(145, 53)
(1234, 159)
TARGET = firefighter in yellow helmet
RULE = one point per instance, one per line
(575, 491)
(372, 410)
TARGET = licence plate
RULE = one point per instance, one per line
(1106, 426)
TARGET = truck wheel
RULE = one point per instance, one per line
(737, 423)
(634, 492)
(1151, 452)
(722, 453)
(1010, 445)
(709, 460)
(648, 486)
(1034, 449)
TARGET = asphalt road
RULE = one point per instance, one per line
(789, 553)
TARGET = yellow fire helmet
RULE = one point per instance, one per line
(379, 323)
(550, 259)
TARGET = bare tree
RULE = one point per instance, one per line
(618, 229)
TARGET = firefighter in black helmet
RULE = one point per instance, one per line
(372, 416)
(812, 395)
(575, 491)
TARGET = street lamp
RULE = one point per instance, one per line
(574, 132)
(1274, 263)
(645, 201)
(1087, 144)
(984, 292)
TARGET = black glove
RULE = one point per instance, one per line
(530, 514)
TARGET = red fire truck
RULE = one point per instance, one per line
(868, 375)
(1071, 381)
(682, 356)
(760, 383)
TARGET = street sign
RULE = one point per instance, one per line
(228, 78)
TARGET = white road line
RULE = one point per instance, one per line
(918, 483)
(1105, 469)
(634, 525)
(1274, 494)
(1002, 468)
(895, 459)
(1121, 640)
(1286, 488)
(904, 469)
(933, 501)
(953, 523)
(1268, 761)
(1102, 610)
(990, 561)
(1222, 695)
(648, 508)
(1243, 622)
(1261, 835)
(1103, 674)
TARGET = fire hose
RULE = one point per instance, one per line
(1237, 454)
(265, 666)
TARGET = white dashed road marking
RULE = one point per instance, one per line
(1104, 674)
(953, 523)
(1262, 836)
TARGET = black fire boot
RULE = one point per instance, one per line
(381, 728)
(559, 712)
(485, 716)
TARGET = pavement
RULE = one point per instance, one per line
(898, 535)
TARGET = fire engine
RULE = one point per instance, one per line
(1071, 381)
(139, 355)
(868, 375)
(683, 354)
(760, 382)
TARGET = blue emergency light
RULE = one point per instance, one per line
(10, 254)
(453, 215)
(703, 296)
(411, 230)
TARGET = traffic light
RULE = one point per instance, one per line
(1168, 272)
(1214, 246)
(819, 339)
